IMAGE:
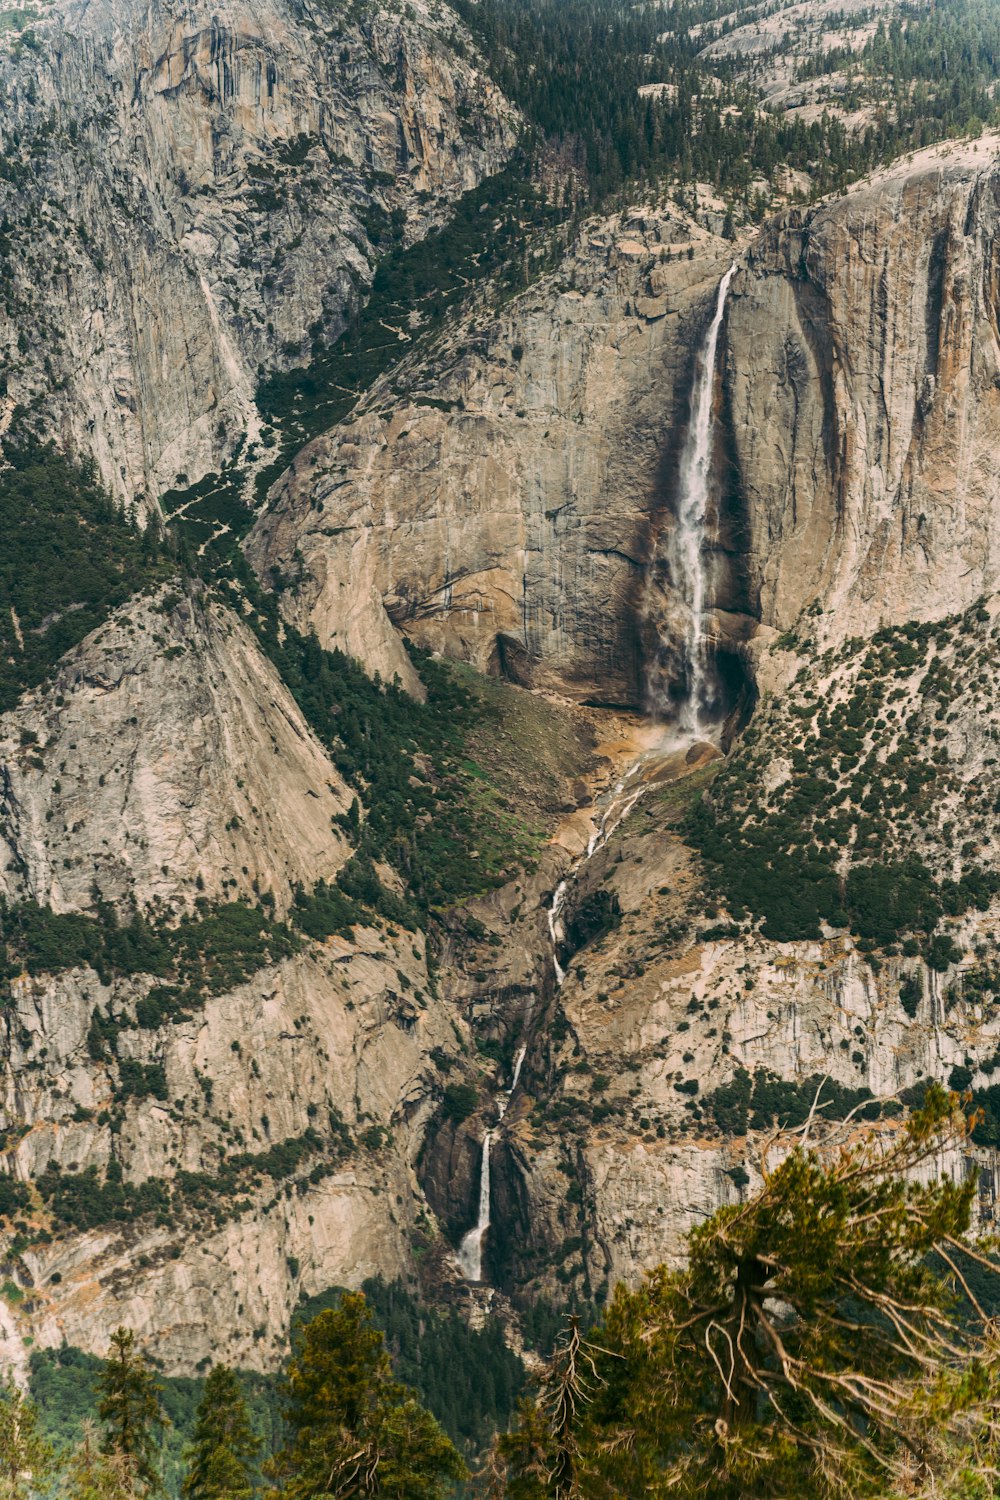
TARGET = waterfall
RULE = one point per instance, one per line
(687, 572)
(555, 929)
(470, 1252)
(687, 543)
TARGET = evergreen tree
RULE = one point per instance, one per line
(220, 1460)
(93, 1475)
(825, 1339)
(26, 1462)
(355, 1430)
(130, 1410)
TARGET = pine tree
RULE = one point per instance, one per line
(220, 1460)
(26, 1461)
(825, 1339)
(93, 1475)
(130, 1409)
(355, 1430)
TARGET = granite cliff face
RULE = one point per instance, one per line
(152, 758)
(856, 481)
(189, 196)
(509, 508)
(504, 509)
(195, 1162)
(168, 769)
(861, 370)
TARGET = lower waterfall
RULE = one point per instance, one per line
(619, 804)
(470, 1252)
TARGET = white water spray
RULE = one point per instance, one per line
(470, 1252)
(687, 543)
(555, 928)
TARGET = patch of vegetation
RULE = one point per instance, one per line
(483, 238)
(433, 814)
(764, 1101)
(84, 1200)
(986, 1104)
(467, 1376)
(64, 1386)
(88, 1199)
(460, 1101)
(206, 953)
(14, 1196)
(576, 69)
(846, 834)
(69, 557)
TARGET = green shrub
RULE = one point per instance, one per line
(460, 1101)
(69, 557)
(14, 1196)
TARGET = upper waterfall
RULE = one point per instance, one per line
(687, 542)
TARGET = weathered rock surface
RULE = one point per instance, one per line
(501, 499)
(618, 1143)
(862, 372)
(504, 509)
(166, 761)
(190, 194)
(329, 1028)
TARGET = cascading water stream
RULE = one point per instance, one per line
(620, 804)
(687, 543)
(470, 1252)
(687, 568)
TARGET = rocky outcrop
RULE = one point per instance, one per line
(274, 1126)
(503, 509)
(631, 1126)
(862, 371)
(165, 762)
(502, 498)
(258, 1070)
(188, 198)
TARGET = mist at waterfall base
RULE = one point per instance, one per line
(686, 685)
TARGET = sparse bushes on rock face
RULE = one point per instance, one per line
(87, 1199)
(460, 1101)
(764, 1101)
(70, 556)
(850, 836)
(911, 992)
(14, 1196)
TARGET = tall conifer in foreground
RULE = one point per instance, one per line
(26, 1461)
(130, 1410)
(827, 1338)
(354, 1429)
(223, 1450)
